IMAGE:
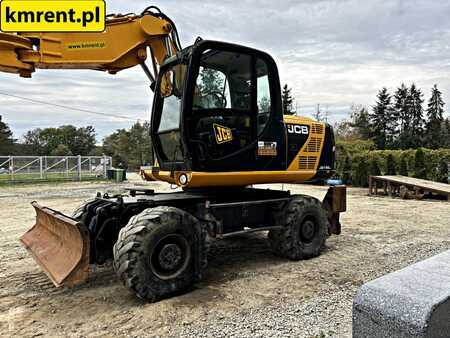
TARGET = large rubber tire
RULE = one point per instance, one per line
(160, 252)
(305, 229)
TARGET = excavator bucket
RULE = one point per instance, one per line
(60, 245)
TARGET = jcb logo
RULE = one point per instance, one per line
(297, 129)
(223, 134)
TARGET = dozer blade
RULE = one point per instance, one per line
(60, 245)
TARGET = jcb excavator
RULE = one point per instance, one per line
(217, 128)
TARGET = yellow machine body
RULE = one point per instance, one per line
(301, 169)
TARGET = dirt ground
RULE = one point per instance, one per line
(243, 277)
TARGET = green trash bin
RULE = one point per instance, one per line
(119, 175)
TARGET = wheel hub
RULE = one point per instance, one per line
(170, 256)
(308, 231)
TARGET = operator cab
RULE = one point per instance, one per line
(218, 108)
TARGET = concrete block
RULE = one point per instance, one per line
(411, 302)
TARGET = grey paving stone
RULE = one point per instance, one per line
(411, 302)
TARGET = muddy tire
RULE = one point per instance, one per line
(305, 229)
(160, 252)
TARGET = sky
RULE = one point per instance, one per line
(334, 53)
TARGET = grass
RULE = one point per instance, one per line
(47, 177)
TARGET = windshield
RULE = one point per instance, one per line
(224, 81)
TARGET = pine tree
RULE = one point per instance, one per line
(435, 112)
(6, 139)
(390, 165)
(402, 106)
(383, 120)
(419, 164)
(403, 167)
(417, 120)
(346, 171)
(288, 101)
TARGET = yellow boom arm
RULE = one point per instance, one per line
(60, 244)
(122, 45)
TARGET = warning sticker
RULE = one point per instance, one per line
(267, 148)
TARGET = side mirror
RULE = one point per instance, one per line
(166, 87)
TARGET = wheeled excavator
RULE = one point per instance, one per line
(217, 129)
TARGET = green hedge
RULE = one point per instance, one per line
(362, 151)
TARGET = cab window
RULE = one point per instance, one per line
(263, 94)
(231, 104)
(171, 93)
(211, 90)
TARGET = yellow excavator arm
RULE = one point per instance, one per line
(60, 244)
(124, 44)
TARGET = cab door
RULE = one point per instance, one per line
(166, 117)
(232, 112)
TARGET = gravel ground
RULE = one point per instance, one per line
(246, 291)
(324, 315)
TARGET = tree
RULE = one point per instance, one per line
(6, 139)
(288, 100)
(383, 120)
(360, 121)
(390, 165)
(419, 164)
(343, 130)
(131, 147)
(402, 107)
(211, 80)
(264, 104)
(118, 146)
(142, 145)
(357, 127)
(33, 141)
(417, 120)
(443, 171)
(409, 112)
(434, 126)
(61, 150)
(403, 167)
(82, 140)
(78, 141)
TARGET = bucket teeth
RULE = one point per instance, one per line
(60, 245)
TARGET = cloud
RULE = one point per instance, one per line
(331, 52)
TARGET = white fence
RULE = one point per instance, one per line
(52, 168)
